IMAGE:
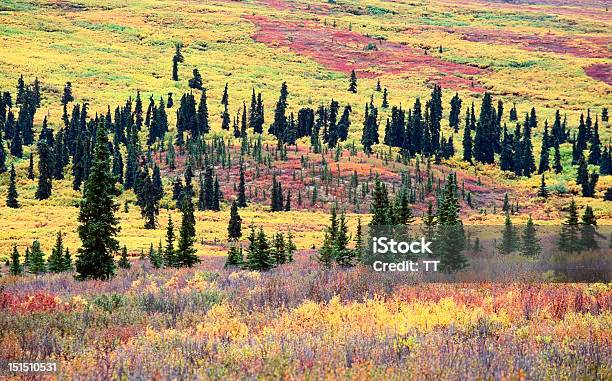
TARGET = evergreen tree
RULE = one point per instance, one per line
(196, 81)
(530, 246)
(569, 240)
(467, 139)
(15, 268)
(55, 261)
(279, 252)
(31, 167)
(11, 198)
(156, 257)
(342, 254)
(67, 96)
(20, 91)
(234, 228)
(528, 162)
(124, 262)
(450, 240)
(359, 244)
(67, 260)
(178, 57)
(455, 113)
(608, 194)
(37, 263)
(16, 143)
(46, 162)
(483, 140)
(506, 157)
(509, 242)
(234, 257)
(544, 164)
(279, 125)
(186, 253)
(557, 161)
(2, 144)
(583, 134)
(513, 115)
(604, 114)
(385, 99)
(202, 114)
(379, 208)
(605, 165)
(543, 190)
(588, 230)
(370, 128)
(169, 253)
(353, 82)
(258, 257)
(98, 224)
(506, 206)
(148, 195)
(595, 148)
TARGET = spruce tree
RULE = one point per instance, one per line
(450, 240)
(124, 262)
(528, 162)
(595, 148)
(558, 167)
(588, 230)
(178, 57)
(279, 252)
(509, 242)
(67, 260)
(156, 257)
(569, 239)
(46, 162)
(455, 113)
(98, 224)
(196, 81)
(543, 190)
(55, 261)
(16, 143)
(15, 267)
(258, 257)
(234, 257)
(385, 99)
(544, 164)
(2, 144)
(379, 208)
(11, 198)
(31, 167)
(530, 245)
(186, 253)
(370, 128)
(241, 200)
(467, 139)
(234, 228)
(67, 96)
(169, 252)
(353, 82)
(37, 263)
(342, 254)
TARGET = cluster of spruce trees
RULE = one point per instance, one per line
(34, 262)
(262, 254)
